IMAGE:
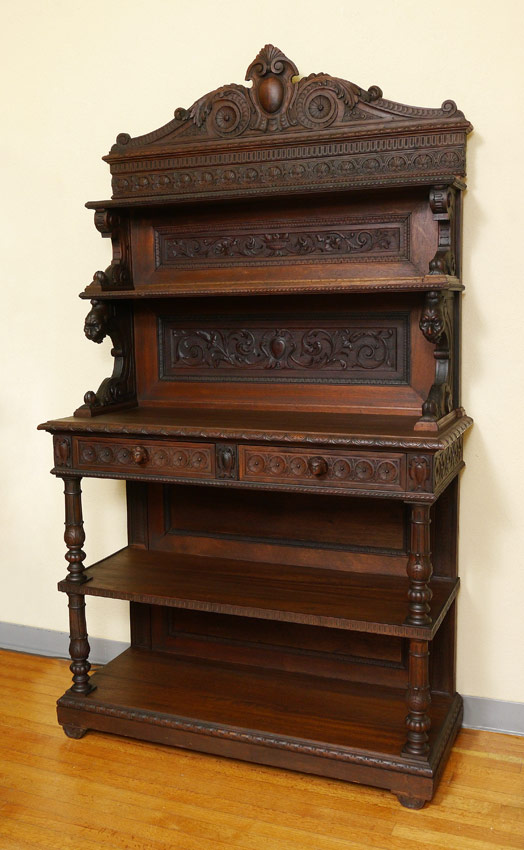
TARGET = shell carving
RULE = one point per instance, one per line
(271, 94)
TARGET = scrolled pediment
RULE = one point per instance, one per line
(284, 133)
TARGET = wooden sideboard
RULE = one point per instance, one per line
(284, 307)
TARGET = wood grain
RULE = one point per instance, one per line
(139, 796)
(319, 597)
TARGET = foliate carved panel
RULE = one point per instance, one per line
(184, 460)
(62, 451)
(447, 462)
(332, 241)
(353, 350)
(347, 470)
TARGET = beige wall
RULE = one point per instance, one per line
(76, 74)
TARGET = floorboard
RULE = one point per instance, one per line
(107, 792)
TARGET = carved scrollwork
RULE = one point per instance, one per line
(115, 227)
(108, 319)
(436, 324)
(442, 203)
(275, 352)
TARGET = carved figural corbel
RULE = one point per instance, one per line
(436, 324)
(442, 203)
(118, 391)
(117, 275)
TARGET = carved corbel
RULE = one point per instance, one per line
(442, 203)
(436, 324)
(118, 391)
(117, 275)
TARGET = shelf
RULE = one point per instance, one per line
(330, 429)
(318, 597)
(189, 288)
(330, 718)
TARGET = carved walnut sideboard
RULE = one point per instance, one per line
(284, 307)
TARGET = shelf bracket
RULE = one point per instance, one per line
(436, 324)
(118, 391)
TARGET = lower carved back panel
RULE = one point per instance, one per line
(349, 353)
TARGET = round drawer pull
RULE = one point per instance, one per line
(139, 454)
(317, 466)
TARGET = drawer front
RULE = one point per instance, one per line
(349, 470)
(179, 460)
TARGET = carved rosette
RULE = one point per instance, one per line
(436, 324)
(118, 391)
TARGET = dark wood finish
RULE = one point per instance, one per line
(283, 301)
(267, 717)
(318, 597)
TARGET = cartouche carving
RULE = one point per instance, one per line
(226, 461)
(118, 391)
(62, 450)
(419, 473)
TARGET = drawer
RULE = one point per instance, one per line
(350, 470)
(179, 460)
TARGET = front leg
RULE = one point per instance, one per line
(74, 537)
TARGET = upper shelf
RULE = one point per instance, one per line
(287, 135)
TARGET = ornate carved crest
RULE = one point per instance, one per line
(290, 111)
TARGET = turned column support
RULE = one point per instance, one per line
(419, 566)
(74, 537)
(418, 700)
(79, 645)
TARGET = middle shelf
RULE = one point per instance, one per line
(319, 597)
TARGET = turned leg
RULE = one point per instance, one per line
(419, 567)
(79, 645)
(418, 699)
(74, 538)
(74, 535)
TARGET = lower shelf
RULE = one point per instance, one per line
(324, 726)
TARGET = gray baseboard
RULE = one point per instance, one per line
(493, 715)
(55, 644)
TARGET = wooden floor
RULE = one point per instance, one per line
(108, 792)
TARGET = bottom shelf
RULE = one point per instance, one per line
(330, 727)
